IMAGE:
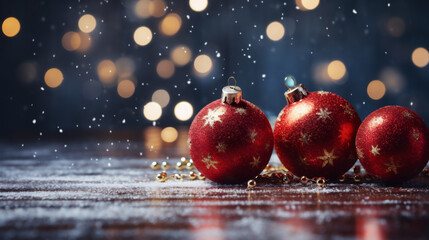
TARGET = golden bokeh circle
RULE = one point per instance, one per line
(87, 23)
(203, 64)
(181, 55)
(376, 89)
(126, 88)
(171, 24)
(152, 111)
(275, 31)
(169, 134)
(336, 70)
(165, 68)
(183, 111)
(71, 41)
(11, 27)
(162, 97)
(420, 57)
(53, 77)
(142, 36)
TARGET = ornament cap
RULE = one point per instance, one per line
(295, 93)
(231, 93)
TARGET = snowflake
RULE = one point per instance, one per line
(328, 157)
(359, 153)
(221, 147)
(375, 150)
(416, 134)
(323, 114)
(322, 93)
(392, 166)
(209, 162)
(255, 162)
(305, 137)
(213, 116)
(407, 114)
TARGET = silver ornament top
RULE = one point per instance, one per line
(295, 93)
(230, 93)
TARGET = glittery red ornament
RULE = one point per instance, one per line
(230, 139)
(392, 144)
(314, 135)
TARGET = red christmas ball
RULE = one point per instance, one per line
(230, 143)
(314, 135)
(392, 144)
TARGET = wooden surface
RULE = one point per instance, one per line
(76, 191)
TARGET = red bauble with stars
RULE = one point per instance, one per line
(230, 139)
(314, 135)
(392, 144)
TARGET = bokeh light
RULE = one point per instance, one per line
(336, 70)
(198, 5)
(162, 97)
(203, 64)
(165, 68)
(420, 57)
(181, 55)
(275, 31)
(125, 67)
(10, 27)
(152, 111)
(395, 26)
(152, 141)
(157, 8)
(53, 77)
(85, 42)
(126, 88)
(169, 134)
(87, 23)
(376, 89)
(183, 111)
(71, 41)
(141, 9)
(171, 24)
(106, 71)
(142, 36)
(393, 79)
(306, 5)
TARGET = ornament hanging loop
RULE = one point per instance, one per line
(231, 94)
(235, 82)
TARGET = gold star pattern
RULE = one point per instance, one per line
(305, 138)
(416, 134)
(252, 135)
(213, 116)
(255, 162)
(322, 93)
(328, 157)
(359, 153)
(348, 110)
(375, 150)
(407, 114)
(240, 111)
(221, 147)
(323, 114)
(209, 162)
(392, 166)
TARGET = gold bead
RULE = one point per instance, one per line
(251, 183)
(314, 179)
(356, 169)
(357, 178)
(193, 175)
(154, 165)
(178, 177)
(184, 160)
(180, 165)
(189, 166)
(304, 180)
(165, 165)
(321, 182)
(267, 168)
(201, 176)
(342, 178)
(161, 177)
